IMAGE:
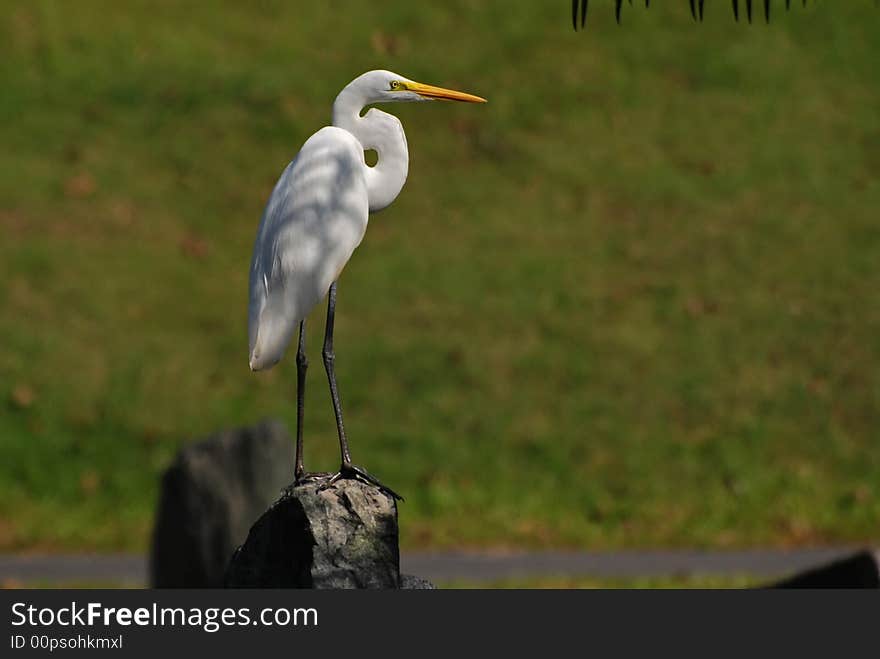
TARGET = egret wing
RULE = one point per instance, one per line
(315, 218)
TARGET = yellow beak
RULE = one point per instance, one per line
(429, 91)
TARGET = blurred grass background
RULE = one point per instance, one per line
(632, 301)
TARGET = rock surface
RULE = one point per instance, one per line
(210, 497)
(342, 537)
(410, 582)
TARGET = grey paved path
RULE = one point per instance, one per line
(131, 569)
(622, 564)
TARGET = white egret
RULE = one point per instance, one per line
(315, 218)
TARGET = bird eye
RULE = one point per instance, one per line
(395, 85)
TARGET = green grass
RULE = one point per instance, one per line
(632, 301)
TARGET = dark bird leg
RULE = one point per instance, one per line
(329, 360)
(347, 469)
(302, 365)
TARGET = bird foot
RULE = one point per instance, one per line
(350, 471)
(305, 477)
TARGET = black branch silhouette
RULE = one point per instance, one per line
(579, 9)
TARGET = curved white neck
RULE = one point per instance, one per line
(380, 131)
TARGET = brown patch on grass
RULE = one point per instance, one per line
(193, 246)
(384, 44)
(798, 531)
(89, 482)
(12, 223)
(7, 534)
(80, 186)
(122, 212)
(22, 396)
(25, 30)
(696, 306)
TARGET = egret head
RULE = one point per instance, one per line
(389, 87)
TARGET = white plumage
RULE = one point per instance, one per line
(314, 220)
(317, 213)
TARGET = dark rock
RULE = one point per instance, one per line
(861, 570)
(342, 537)
(409, 582)
(210, 496)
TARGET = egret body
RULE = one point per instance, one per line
(315, 218)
